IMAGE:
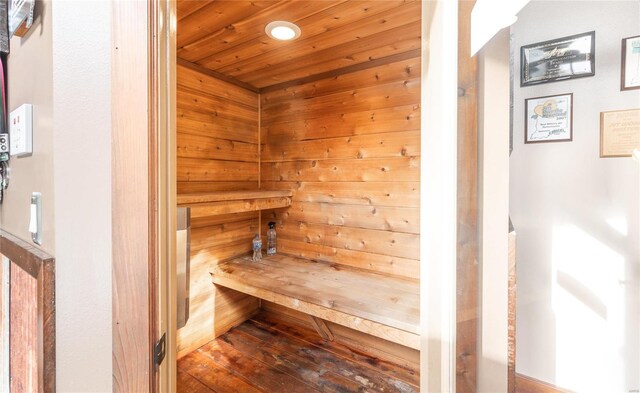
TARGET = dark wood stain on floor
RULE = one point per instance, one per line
(264, 355)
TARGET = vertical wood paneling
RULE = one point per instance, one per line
(23, 336)
(217, 148)
(349, 148)
(28, 326)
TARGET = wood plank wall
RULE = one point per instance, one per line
(348, 146)
(217, 142)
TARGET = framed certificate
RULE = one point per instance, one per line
(559, 59)
(549, 119)
(630, 63)
(619, 133)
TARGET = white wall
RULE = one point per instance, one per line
(577, 216)
(493, 159)
(82, 165)
(30, 82)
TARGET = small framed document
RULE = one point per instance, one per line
(559, 59)
(630, 63)
(549, 119)
(619, 133)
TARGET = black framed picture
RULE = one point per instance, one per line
(549, 119)
(559, 59)
(630, 69)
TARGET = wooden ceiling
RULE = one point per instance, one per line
(227, 37)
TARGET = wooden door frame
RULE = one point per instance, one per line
(142, 194)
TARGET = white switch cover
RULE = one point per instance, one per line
(21, 130)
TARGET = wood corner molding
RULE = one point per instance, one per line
(217, 75)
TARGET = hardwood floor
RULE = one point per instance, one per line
(264, 355)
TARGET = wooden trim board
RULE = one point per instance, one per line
(525, 384)
(133, 366)
(217, 75)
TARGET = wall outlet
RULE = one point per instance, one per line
(4, 143)
(21, 130)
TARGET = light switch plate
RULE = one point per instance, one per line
(21, 130)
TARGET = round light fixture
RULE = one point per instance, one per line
(282, 30)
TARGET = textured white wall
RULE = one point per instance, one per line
(82, 165)
(577, 216)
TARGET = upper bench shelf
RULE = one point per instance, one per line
(226, 202)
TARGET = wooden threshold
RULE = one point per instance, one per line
(381, 306)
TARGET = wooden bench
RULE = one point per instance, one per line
(382, 306)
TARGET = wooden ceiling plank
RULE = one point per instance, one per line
(208, 19)
(362, 60)
(402, 65)
(188, 7)
(327, 21)
(352, 33)
(385, 44)
(217, 75)
(251, 28)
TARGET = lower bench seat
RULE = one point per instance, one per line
(382, 306)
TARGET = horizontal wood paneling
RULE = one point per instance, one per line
(393, 94)
(218, 150)
(405, 169)
(229, 38)
(399, 194)
(392, 144)
(349, 149)
(367, 122)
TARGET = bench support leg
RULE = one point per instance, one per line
(321, 327)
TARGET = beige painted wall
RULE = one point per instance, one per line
(82, 164)
(62, 67)
(31, 81)
(577, 216)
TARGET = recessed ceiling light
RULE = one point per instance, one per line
(281, 30)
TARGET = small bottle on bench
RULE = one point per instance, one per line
(257, 248)
(271, 239)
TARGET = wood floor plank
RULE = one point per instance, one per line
(259, 374)
(394, 371)
(213, 374)
(367, 378)
(188, 384)
(305, 370)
